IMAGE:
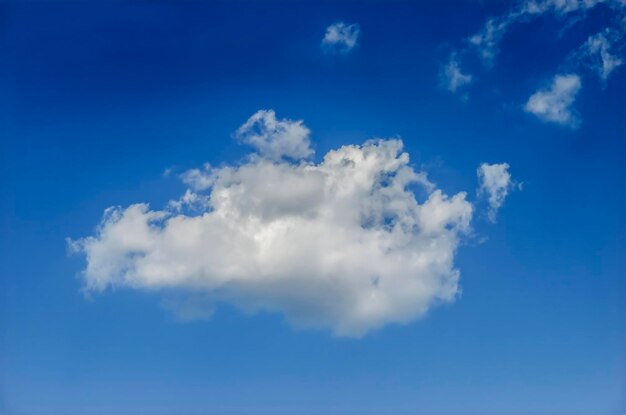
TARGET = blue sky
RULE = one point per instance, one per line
(118, 103)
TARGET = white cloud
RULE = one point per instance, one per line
(198, 179)
(487, 41)
(275, 139)
(494, 183)
(602, 52)
(353, 243)
(340, 37)
(452, 76)
(554, 104)
(596, 52)
(557, 6)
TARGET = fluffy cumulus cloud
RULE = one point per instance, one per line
(350, 244)
(495, 184)
(553, 104)
(341, 37)
(452, 77)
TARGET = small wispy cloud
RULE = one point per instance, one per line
(274, 138)
(596, 53)
(452, 77)
(487, 41)
(601, 53)
(560, 7)
(553, 104)
(341, 37)
(495, 184)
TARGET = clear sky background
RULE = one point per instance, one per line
(98, 99)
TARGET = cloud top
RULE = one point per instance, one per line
(350, 244)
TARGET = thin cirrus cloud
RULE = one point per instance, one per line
(495, 183)
(355, 242)
(596, 53)
(341, 37)
(553, 104)
(486, 42)
(602, 52)
(452, 77)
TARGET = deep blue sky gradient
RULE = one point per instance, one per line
(98, 99)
